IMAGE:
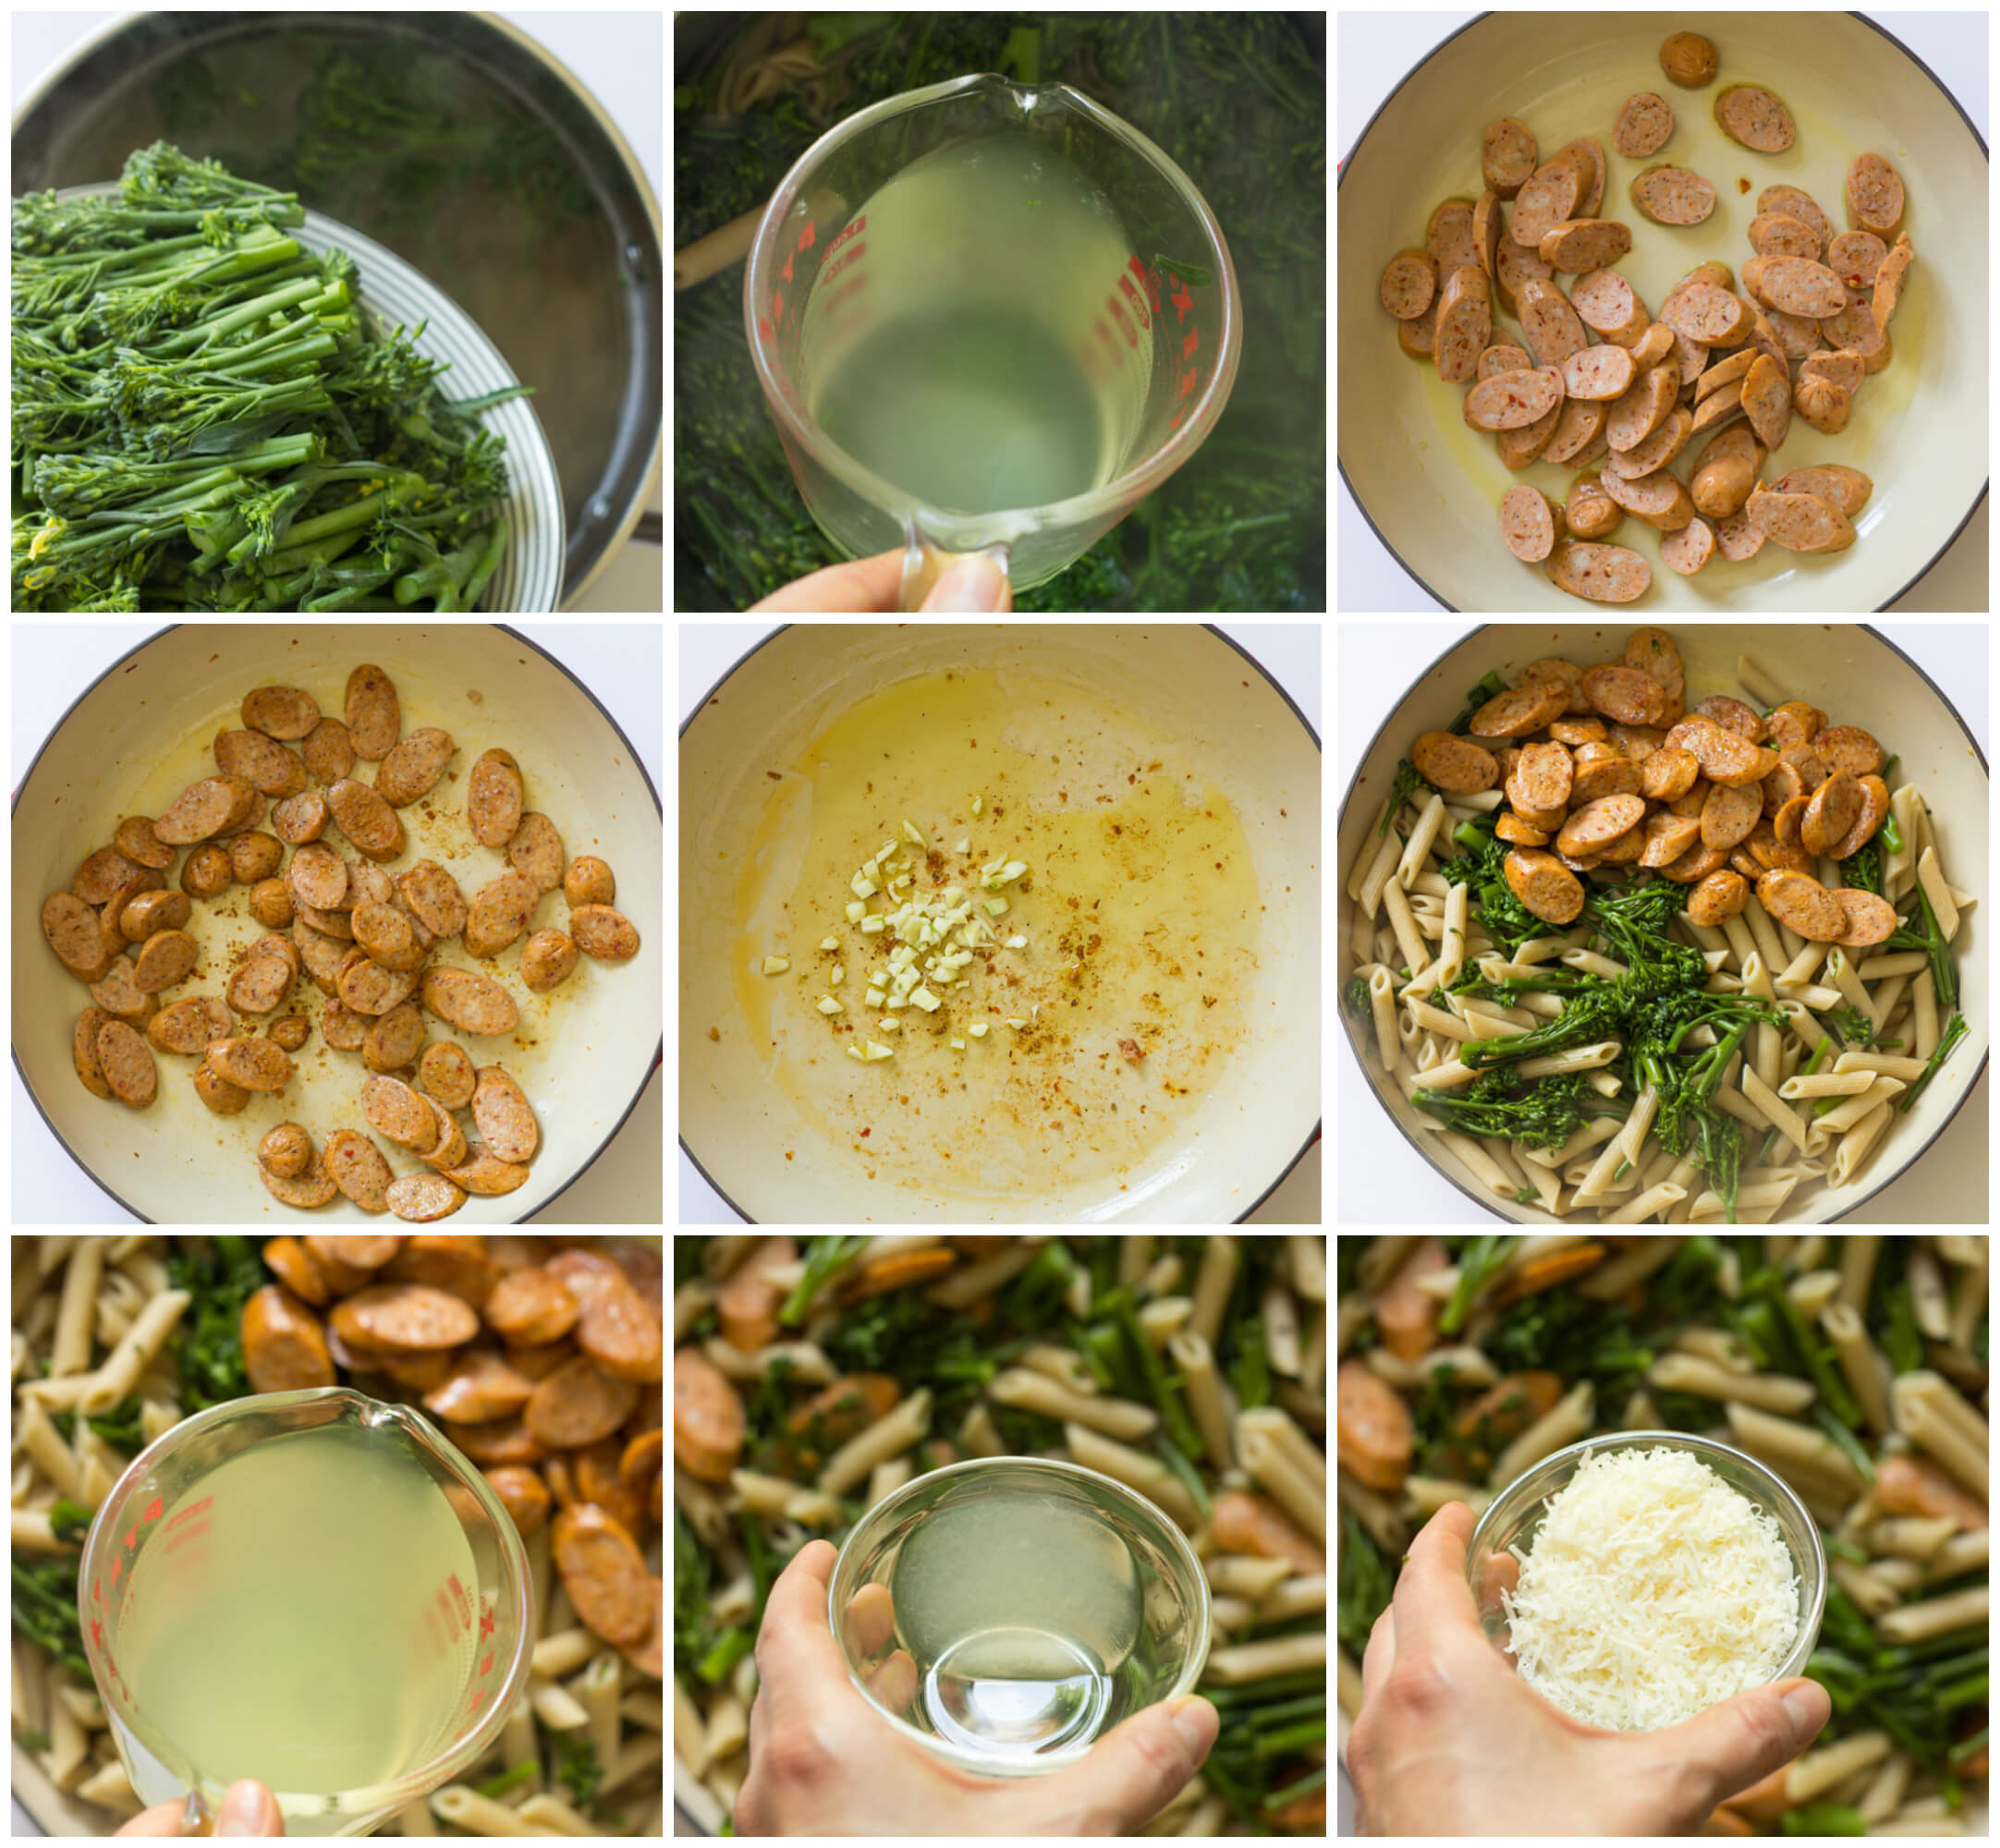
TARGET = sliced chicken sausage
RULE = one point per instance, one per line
(1544, 885)
(1802, 904)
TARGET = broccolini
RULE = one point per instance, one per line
(206, 419)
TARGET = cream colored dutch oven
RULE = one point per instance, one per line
(582, 1052)
(1851, 672)
(1197, 1133)
(1431, 487)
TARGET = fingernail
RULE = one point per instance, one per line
(971, 585)
(1806, 1707)
(248, 1808)
(1195, 1721)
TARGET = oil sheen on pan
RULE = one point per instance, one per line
(1106, 987)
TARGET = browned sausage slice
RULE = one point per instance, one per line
(1733, 715)
(487, 1174)
(1667, 775)
(375, 715)
(277, 772)
(365, 818)
(1849, 747)
(493, 799)
(474, 1004)
(480, 1387)
(648, 1655)
(1520, 711)
(1551, 667)
(445, 1073)
(412, 768)
(1767, 851)
(1795, 722)
(531, 1307)
(604, 1573)
(76, 936)
(590, 1273)
(604, 934)
(1729, 814)
(455, 1262)
(523, 1494)
(501, 911)
(125, 1062)
(306, 1191)
(1726, 756)
(1802, 904)
(1455, 765)
(290, 1258)
(622, 1335)
(83, 1050)
(1667, 838)
(1593, 827)
(355, 1251)
(1870, 919)
(536, 852)
(281, 712)
(434, 896)
(1874, 808)
(1544, 775)
(1719, 897)
(399, 1113)
(420, 1198)
(283, 1345)
(135, 839)
(404, 1319)
(507, 1124)
(548, 959)
(577, 1405)
(1831, 810)
(203, 809)
(1695, 865)
(1544, 885)
(1627, 695)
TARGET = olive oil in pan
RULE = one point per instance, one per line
(288, 1621)
(1141, 908)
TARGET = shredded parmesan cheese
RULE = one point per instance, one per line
(1652, 1590)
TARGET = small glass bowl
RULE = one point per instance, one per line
(1514, 1517)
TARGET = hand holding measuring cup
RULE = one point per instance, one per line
(248, 1808)
(975, 584)
(988, 318)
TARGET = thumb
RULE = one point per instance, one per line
(1733, 1744)
(974, 584)
(1132, 1773)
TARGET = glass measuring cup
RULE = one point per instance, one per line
(313, 1589)
(988, 318)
